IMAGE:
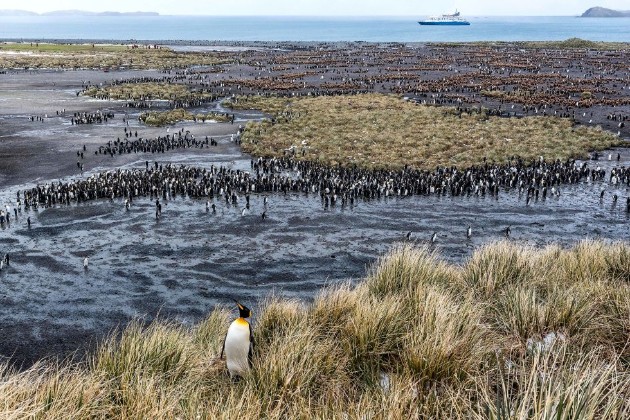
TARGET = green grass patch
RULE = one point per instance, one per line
(576, 43)
(568, 44)
(75, 56)
(378, 131)
(160, 119)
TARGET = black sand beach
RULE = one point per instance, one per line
(191, 259)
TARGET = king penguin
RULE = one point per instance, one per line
(239, 343)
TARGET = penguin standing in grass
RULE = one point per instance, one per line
(239, 343)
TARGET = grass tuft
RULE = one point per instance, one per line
(94, 56)
(515, 332)
(374, 131)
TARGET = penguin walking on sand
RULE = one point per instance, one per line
(434, 237)
(86, 262)
(238, 343)
(468, 232)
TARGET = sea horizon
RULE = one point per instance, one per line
(339, 17)
(311, 28)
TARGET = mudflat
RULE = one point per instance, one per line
(192, 259)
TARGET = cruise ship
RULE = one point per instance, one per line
(454, 19)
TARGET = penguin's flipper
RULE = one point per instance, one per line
(251, 335)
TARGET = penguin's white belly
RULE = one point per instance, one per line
(237, 348)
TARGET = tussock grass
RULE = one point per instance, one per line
(567, 44)
(576, 43)
(524, 313)
(494, 267)
(557, 384)
(160, 119)
(417, 338)
(379, 131)
(449, 346)
(74, 56)
(399, 272)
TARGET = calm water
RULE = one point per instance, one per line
(312, 28)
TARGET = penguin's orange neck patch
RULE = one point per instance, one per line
(241, 321)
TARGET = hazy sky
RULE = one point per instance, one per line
(410, 8)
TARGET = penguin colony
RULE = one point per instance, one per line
(333, 184)
(160, 144)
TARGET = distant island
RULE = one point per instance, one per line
(603, 12)
(12, 12)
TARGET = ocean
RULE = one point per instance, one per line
(389, 29)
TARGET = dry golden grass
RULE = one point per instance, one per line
(567, 44)
(160, 119)
(576, 43)
(72, 56)
(379, 131)
(418, 338)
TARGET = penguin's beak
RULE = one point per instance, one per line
(243, 310)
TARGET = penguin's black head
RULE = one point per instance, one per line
(243, 311)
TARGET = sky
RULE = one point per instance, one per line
(325, 7)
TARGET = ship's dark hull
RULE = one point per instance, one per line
(444, 23)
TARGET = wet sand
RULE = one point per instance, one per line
(190, 260)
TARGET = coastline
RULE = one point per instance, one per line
(193, 260)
